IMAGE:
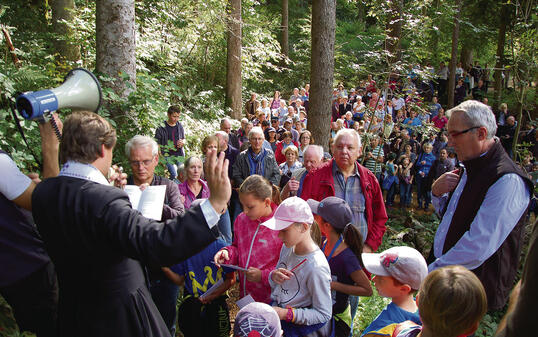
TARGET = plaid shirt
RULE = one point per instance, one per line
(350, 190)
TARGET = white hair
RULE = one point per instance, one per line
(141, 141)
(348, 132)
(244, 120)
(255, 130)
(476, 114)
(318, 150)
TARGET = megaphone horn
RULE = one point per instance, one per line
(80, 91)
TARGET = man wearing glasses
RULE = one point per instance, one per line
(483, 204)
(143, 154)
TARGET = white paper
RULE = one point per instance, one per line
(149, 202)
(212, 289)
(231, 266)
(244, 301)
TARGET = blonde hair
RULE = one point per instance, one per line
(257, 186)
(451, 300)
(291, 148)
(209, 140)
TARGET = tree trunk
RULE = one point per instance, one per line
(233, 60)
(62, 15)
(466, 57)
(115, 44)
(454, 55)
(284, 46)
(322, 69)
(434, 40)
(394, 31)
(501, 39)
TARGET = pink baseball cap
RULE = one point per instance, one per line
(291, 210)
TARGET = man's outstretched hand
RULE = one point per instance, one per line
(216, 173)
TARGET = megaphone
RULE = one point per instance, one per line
(80, 91)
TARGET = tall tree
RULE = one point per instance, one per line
(284, 46)
(62, 15)
(321, 69)
(504, 18)
(394, 30)
(233, 60)
(454, 55)
(115, 44)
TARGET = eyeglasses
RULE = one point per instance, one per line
(137, 163)
(459, 133)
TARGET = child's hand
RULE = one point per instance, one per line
(221, 257)
(281, 312)
(280, 275)
(254, 274)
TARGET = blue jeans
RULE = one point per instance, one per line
(225, 227)
(353, 304)
(164, 293)
(405, 197)
(172, 170)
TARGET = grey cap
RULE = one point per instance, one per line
(334, 210)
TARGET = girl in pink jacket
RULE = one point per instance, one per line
(255, 247)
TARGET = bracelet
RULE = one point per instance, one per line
(290, 315)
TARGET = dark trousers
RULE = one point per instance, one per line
(423, 191)
(34, 301)
(164, 293)
(391, 193)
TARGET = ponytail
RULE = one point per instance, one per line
(353, 239)
(315, 233)
(275, 195)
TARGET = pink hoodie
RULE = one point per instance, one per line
(265, 245)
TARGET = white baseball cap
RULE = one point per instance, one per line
(405, 264)
(291, 210)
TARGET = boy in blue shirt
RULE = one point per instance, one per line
(201, 315)
(398, 271)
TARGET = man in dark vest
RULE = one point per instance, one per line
(483, 204)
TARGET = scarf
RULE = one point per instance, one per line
(256, 161)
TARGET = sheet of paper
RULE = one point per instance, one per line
(212, 288)
(148, 202)
(152, 201)
(231, 266)
(134, 194)
(244, 301)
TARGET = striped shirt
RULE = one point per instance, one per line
(372, 164)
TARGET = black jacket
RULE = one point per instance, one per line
(95, 238)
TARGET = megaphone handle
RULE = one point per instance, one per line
(55, 128)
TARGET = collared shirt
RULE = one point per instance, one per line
(504, 204)
(350, 190)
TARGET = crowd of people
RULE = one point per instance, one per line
(296, 226)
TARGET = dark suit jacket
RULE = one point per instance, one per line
(95, 238)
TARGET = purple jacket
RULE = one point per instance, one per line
(189, 195)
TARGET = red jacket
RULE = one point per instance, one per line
(279, 156)
(319, 184)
